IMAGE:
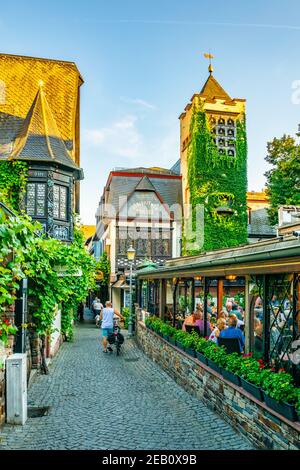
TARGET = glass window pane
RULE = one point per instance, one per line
(63, 202)
(41, 193)
(31, 199)
(56, 201)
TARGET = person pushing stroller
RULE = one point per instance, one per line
(107, 318)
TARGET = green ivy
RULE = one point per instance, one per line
(214, 180)
(13, 179)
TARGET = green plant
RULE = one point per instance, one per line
(167, 330)
(233, 363)
(6, 329)
(126, 314)
(215, 180)
(215, 354)
(279, 385)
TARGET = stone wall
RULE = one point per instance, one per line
(265, 428)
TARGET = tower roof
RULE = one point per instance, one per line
(212, 89)
(39, 138)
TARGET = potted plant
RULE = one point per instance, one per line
(252, 373)
(215, 356)
(200, 346)
(188, 342)
(179, 337)
(280, 394)
(232, 367)
(167, 331)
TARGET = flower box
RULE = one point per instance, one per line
(231, 377)
(190, 351)
(166, 337)
(180, 345)
(213, 366)
(252, 389)
(172, 340)
(284, 409)
(201, 357)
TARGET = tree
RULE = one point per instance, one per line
(283, 180)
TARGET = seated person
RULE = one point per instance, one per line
(233, 332)
(235, 310)
(191, 320)
(200, 322)
(221, 325)
(258, 335)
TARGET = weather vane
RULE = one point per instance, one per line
(209, 56)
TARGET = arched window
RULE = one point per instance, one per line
(221, 151)
(221, 131)
(221, 122)
(230, 122)
(2, 92)
(230, 132)
(230, 153)
(221, 142)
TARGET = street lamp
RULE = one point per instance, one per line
(130, 257)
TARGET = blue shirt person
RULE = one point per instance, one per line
(233, 332)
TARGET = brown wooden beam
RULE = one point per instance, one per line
(220, 296)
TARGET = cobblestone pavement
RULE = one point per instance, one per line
(101, 401)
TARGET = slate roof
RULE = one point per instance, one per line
(39, 138)
(212, 89)
(145, 185)
(168, 188)
(20, 77)
(260, 224)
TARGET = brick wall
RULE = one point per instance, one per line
(265, 428)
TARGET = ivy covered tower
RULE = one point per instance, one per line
(213, 161)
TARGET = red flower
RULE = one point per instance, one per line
(0, 332)
(273, 369)
(260, 361)
(262, 366)
(7, 322)
(248, 355)
(281, 369)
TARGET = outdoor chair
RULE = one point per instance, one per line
(191, 329)
(231, 345)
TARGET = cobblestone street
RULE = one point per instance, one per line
(101, 401)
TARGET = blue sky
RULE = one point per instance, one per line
(143, 60)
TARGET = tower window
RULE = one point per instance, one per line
(60, 202)
(221, 122)
(36, 199)
(230, 122)
(221, 131)
(230, 132)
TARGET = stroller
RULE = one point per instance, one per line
(116, 338)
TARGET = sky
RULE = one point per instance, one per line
(143, 60)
